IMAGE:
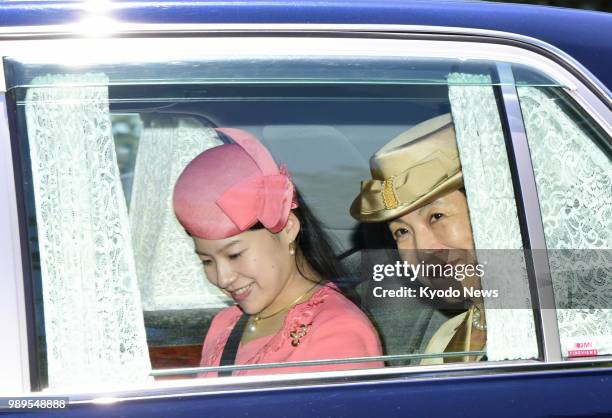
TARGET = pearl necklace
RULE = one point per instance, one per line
(476, 320)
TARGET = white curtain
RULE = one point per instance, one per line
(493, 214)
(574, 180)
(170, 273)
(94, 326)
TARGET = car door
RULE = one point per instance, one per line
(110, 305)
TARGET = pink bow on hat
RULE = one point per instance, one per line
(267, 197)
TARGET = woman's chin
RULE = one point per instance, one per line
(246, 310)
(249, 308)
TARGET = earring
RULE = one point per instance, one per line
(292, 248)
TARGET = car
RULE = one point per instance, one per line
(102, 105)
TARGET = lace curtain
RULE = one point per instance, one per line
(574, 180)
(493, 214)
(169, 271)
(93, 318)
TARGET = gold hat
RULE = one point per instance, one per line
(410, 171)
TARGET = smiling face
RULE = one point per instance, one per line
(437, 233)
(254, 267)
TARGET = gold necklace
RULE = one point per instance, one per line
(254, 320)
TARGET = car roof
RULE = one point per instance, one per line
(584, 35)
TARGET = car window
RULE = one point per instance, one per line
(573, 171)
(120, 293)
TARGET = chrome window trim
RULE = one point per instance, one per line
(246, 384)
(542, 292)
(117, 28)
(354, 360)
(581, 93)
(593, 96)
(169, 49)
(14, 356)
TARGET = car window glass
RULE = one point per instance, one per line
(573, 171)
(101, 156)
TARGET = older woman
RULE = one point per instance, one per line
(417, 190)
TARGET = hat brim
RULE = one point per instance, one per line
(451, 184)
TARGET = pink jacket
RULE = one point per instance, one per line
(327, 326)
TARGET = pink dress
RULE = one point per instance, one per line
(327, 326)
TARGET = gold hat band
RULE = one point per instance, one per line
(378, 195)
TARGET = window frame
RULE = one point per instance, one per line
(585, 91)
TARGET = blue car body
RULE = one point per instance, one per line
(558, 389)
(582, 34)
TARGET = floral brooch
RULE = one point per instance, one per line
(299, 333)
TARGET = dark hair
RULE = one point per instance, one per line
(314, 245)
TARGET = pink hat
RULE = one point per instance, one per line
(229, 188)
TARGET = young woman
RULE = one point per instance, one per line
(260, 245)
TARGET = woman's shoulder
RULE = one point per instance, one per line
(217, 334)
(442, 337)
(225, 318)
(325, 326)
(329, 304)
(330, 324)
